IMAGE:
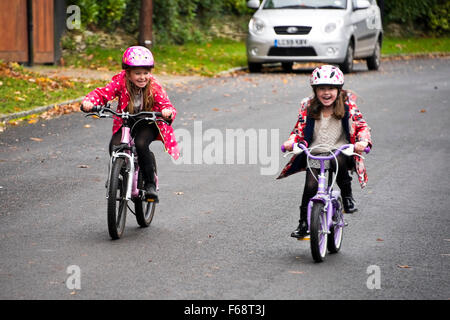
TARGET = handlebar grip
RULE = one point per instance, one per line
(94, 109)
(367, 149)
(283, 148)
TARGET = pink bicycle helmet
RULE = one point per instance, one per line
(137, 56)
(327, 75)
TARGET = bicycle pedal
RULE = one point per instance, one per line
(152, 200)
(306, 238)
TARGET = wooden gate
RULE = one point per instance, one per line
(15, 42)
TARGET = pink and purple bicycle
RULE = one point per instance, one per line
(325, 210)
(125, 180)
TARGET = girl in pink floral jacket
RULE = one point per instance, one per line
(138, 90)
(329, 117)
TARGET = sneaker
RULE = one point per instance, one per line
(150, 191)
(349, 205)
(301, 231)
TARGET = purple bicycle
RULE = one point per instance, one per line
(325, 217)
(125, 180)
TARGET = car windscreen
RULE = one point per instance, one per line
(305, 4)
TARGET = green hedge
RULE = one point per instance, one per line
(178, 21)
(174, 21)
(432, 16)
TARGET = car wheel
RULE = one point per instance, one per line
(373, 62)
(254, 67)
(287, 66)
(347, 65)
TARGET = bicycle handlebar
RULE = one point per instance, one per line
(99, 111)
(302, 147)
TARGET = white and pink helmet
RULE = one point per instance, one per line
(137, 56)
(327, 75)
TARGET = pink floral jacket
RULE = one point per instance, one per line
(355, 129)
(117, 89)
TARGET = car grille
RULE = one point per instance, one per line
(286, 52)
(284, 30)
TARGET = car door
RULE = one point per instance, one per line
(361, 22)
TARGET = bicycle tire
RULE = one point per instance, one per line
(117, 204)
(336, 231)
(318, 238)
(145, 210)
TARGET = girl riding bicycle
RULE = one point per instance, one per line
(330, 117)
(138, 90)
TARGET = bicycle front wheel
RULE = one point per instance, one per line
(318, 231)
(117, 203)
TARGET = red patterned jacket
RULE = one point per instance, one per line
(117, 89)
(355, 129)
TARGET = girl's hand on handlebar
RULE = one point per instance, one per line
(288, 145)
(167, 114)
(87, 106)
(360, 146)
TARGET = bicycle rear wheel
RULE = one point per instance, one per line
(145, 210)
(337, 228)
(117, 203)
(318, 231)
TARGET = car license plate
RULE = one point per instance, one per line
(290, 42)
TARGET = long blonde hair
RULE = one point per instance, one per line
(315, 108)
(133, 91)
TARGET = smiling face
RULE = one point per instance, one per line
(327, 95)
(139, 76)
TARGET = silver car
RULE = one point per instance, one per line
(329, 31)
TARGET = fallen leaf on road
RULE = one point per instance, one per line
(296, 272)
(380, 240)
(423, 110)
(87, 125)
(32, 121)
(178, 193)
(83, 166)
(37, 139)
(405, 266)
(215, 109)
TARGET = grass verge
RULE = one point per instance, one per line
(206, 59)
(400, 46)
(22, 90)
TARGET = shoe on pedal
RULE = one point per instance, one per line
(301, 231)
(151, 193)
(349, 205)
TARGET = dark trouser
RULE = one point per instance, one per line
(343, 180)
(143, 136)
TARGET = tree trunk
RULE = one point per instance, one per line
(146, 24)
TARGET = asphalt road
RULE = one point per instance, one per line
(222, 231)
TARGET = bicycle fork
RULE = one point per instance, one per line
(130, 172)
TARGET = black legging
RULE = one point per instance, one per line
(143, 136)
(343, 180)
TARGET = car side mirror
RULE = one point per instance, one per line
(360, 4)
(253, 4)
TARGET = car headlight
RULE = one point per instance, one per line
(334, 25)
(256, 26)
